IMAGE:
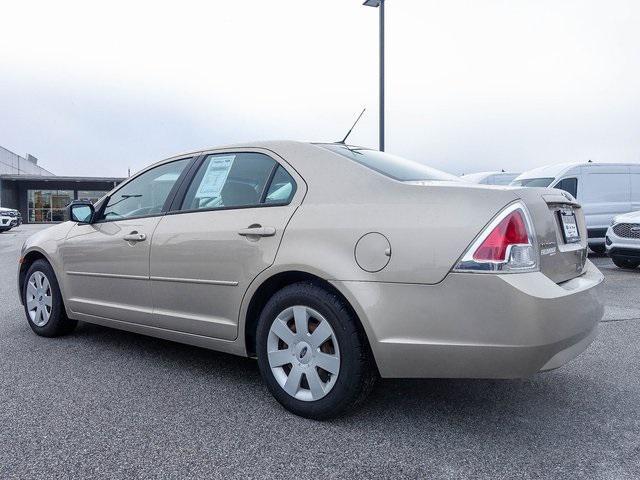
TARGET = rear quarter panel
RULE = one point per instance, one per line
(428, 227)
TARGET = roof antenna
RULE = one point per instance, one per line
(352, 127)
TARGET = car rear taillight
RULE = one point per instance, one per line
(507, 244)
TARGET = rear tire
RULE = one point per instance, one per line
(599, 249)
(43, 303)
(302, 385)
(625, 263)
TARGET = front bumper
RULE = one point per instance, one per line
(478, 326)
(620, 247)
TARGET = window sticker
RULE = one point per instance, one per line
(215, 176)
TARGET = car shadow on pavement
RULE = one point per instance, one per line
(177, 355)
(397, 400)
(466, 397)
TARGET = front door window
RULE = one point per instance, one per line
(146, 194)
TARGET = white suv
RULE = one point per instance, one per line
(623, 240)
(9, 218)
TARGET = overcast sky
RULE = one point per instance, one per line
(93, 88)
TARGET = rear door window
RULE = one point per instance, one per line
(229, 180)
(235, 180)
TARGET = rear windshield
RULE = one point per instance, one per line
(392, 166)
(532, 182)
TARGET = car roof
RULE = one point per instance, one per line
(273, 145)
(300, 155)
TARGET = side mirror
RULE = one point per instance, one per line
(81, 211)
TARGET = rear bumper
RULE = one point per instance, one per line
(569, 353)
(478, 326)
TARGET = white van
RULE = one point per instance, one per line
(603, 189)
(490, 178)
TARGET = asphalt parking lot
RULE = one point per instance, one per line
(102, 403)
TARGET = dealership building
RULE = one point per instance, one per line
(41, 196)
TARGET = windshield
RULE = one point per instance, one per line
(392, 166)
(532, 182)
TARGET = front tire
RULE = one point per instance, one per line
(312, 354)
(625, 263)
(599, 249)
(43, 303)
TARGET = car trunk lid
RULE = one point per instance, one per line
(561, 232)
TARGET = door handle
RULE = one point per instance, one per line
(257, 231)
(135, 237)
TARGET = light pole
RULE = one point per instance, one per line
(380, 4)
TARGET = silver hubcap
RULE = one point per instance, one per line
(303, 353)
(39, 299)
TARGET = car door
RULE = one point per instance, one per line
(106, 263)
(222, 232)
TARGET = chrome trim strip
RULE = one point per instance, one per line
(195, 280)
(108, 275)
(118, 306)
(159, 279)
(136, 327)
(172, 314)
